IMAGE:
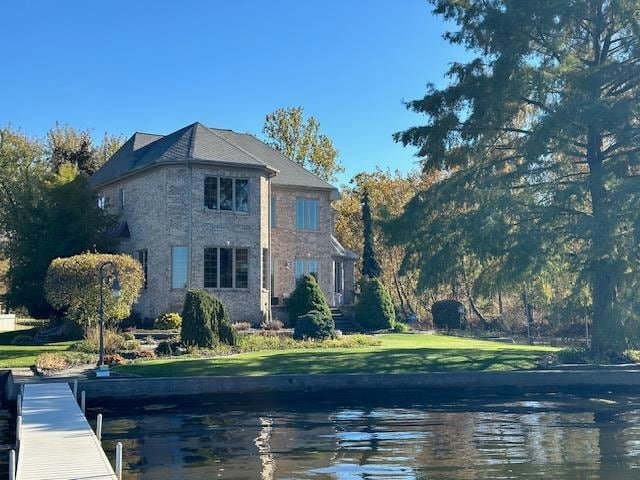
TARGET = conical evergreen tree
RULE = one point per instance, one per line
(370, 265)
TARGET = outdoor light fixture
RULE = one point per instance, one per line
(116, 292)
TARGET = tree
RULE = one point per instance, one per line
(287, 131)
(205, 321)
(539, 137)
(66, 145)
(370, 265)
(307, 296)
(46, 211)
(374, 309)
(73, 286)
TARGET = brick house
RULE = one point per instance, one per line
(219, 210)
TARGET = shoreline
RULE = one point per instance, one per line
(604, 378)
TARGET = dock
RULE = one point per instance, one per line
(56, 441)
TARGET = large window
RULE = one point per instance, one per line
(230, 194)
(226, 268)
(307, 214)
(143, 257)
(304, 266)
(179, 266)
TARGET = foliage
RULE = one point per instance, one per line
(242, 326)
(305, 297)
(205, 321)
(254, 343)
(370, 265)
(273, 325)
(537, 135)
(72, 284)
(166, 348)
(113, 342)
(400, 327)
(51, 362)
(287, 131)
(449, 315)
(374, 310)
(314, 325)
(47, 210)
(168, 321)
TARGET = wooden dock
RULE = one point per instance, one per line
(56, 441)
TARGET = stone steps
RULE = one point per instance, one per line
(343, 323)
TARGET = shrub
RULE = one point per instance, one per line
(165, 348)
(113, 342)
(114, 359)
(23, 340)
(168, 321)
(307, 296)
(449, 314)
(205, 321)
(374, 310)
(128, 336)
(273, 325)
(316, 325)
(131, 345)
(51, 361)
(242, 326)
(72, 285)
(400, 327)
(148, 354)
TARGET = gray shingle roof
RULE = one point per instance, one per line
(197, 142)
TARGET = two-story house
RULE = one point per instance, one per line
(222, 211)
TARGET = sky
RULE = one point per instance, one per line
(122, 66)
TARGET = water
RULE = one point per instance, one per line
(402, 436)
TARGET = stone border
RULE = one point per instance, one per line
(446, 382)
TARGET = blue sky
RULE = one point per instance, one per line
(122, 66)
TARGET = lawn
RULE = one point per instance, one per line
(13, 356)
(398, 353)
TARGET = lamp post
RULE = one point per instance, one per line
(115, 294)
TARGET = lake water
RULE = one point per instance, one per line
(379, 436)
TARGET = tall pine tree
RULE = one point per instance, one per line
(539, 135)
(370, 265)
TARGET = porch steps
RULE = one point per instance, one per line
(344, 323)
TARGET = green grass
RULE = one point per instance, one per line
(398, 353)
(14, 356)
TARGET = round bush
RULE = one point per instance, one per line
(449, 315)
(165, 348)
(168, 321)
(307, 296)
(316, 325)
(205, 321)
(374, 310)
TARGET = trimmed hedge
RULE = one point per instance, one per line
(168, 321)
(205, 321)
(374, 310)
(316, 325)
(449, 315)
(307, 296)
(72, 285)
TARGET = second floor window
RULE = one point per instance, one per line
(230, 194)
(307, 214)
(226, 268)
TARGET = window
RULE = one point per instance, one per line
(229, 194)
(121, 194)
(143, 259)
(338, 277)
(273, 211)
(211, 193)
(304, 266)
(210, 268)
(265, 268)
(307, 215)
(102, 202)
(179, 266)
(226, 267)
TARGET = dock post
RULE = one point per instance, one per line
(119, 460)
(82, 401)
(99, 427)
(19, 405)
(18, 431)
(75, 389)
(12, 465)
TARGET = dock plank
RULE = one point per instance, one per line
(57, 441)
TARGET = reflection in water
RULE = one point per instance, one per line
(402, 436)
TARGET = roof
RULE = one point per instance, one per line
(340, 251)
(199, 143)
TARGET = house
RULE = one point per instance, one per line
(222, 211)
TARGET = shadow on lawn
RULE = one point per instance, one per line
(327, 361)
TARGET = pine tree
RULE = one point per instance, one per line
(370, 265)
